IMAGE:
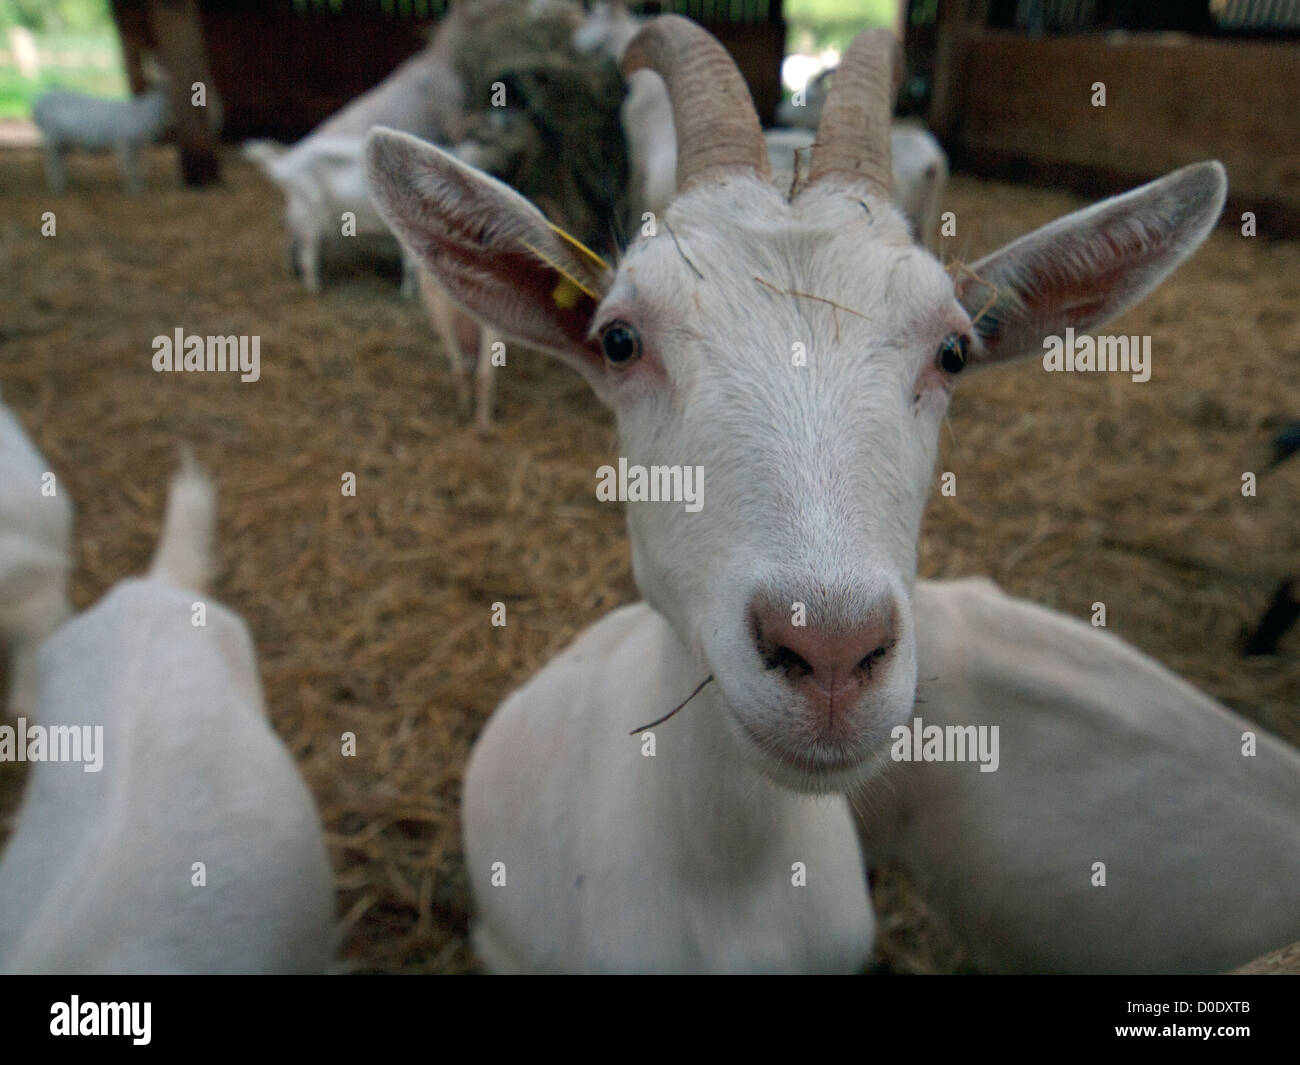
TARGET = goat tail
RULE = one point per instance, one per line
(264, 154)
(185, 552)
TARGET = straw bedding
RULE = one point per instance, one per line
(372, 614)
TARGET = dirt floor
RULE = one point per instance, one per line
(371, 614)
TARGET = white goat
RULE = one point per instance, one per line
(70, 120)
(102, 874)
(35, 539)
(321, 181)
(1104, 757)
(423, 96)
(802, 352)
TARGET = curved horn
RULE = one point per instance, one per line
(717, 128)
(853, 135)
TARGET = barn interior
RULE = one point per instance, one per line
(371, 613)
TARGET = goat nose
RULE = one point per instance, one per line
(831, 668)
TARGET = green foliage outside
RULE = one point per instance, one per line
(57, 15)
(78, 48)
(819, 24)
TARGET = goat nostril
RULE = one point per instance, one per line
(875, 656)
(832, 660)
(789, 662)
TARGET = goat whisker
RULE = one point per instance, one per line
(661, 720)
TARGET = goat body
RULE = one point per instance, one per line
(682, 859)
(320, 181)
(102, 874)
(1106, 757)
(69, 120)
(423, 96)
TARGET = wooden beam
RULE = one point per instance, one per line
(183, 55)
(136, 35)
(954, 29)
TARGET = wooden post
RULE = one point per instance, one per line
(183, 55)
(136, 34)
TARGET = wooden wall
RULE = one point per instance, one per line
(281, 71)
(1021, 107)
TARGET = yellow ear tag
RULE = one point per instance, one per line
(593, 260)
(567, 293)
(570, 289)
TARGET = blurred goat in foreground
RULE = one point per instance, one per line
(174, 834)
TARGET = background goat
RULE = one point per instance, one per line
(69, 120)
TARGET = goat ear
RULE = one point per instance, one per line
(1083, 269)
(492, 250)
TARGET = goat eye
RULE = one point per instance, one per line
(953, 352)
(620, 342)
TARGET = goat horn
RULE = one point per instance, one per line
(717, 127)
(853, 135)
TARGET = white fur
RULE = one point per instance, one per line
(618, 862)
(97, 877)
(448, 319)
(1105, 756)
(35, 545)
(69, 120)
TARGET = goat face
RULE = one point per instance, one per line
(788, 353)
(801, 354)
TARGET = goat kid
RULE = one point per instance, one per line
(102, 874)
(803, 353)
(69, 120)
